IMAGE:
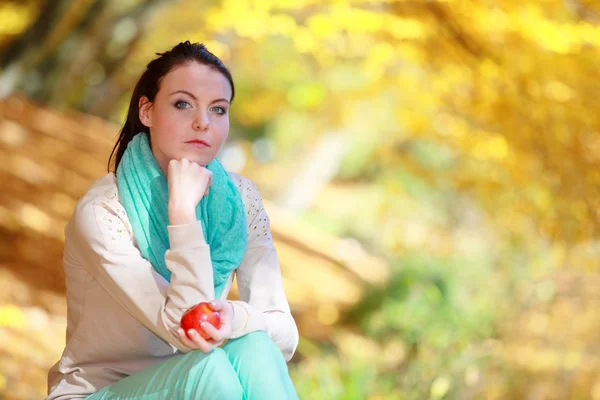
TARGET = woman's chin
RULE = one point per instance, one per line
(200, 160)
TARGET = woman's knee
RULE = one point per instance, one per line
(213, 373)
(261, 367)
(259, 341)
(256, 346)
(216, 361)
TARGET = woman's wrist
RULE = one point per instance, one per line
(181, 217)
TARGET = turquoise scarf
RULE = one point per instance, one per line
(143, 190)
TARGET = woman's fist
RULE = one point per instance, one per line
(188, 183)
(194, 340)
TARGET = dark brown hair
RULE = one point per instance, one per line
(149, 83)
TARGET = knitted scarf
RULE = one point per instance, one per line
(143, 190)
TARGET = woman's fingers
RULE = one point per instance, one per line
(225, 309)
(197, 341)
(184, 339)
(223, 306)
(200, 342)
(213, 332)
(188, 183)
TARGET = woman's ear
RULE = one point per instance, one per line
(144, 106)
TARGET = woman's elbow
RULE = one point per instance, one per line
(282, 329)
(292, 345)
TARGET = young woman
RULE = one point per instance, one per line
(170, 228)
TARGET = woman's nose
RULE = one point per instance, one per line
(201, 121)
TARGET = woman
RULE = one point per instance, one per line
(169, 230)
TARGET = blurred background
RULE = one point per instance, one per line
(431, 170)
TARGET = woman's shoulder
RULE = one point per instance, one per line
(100, 207)
(239, 181)
(249, 191)
(103, 190)
(258, 222)
(244, 185)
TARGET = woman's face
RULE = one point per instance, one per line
(192, 105)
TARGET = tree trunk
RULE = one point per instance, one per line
(27, 54)
(86, 41)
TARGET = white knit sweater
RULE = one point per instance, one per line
(122, 315)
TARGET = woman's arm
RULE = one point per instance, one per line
(98, 237)
(263, 304)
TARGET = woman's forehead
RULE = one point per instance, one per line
(198, 79)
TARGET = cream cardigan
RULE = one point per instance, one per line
(122, 315)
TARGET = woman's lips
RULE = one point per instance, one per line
(198, 143)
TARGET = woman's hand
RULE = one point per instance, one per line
(218, 336)
(188, 183)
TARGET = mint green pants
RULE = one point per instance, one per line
(249, 368)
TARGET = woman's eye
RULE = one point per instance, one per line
(219, 110)
(182, 104)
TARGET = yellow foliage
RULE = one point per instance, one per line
(14, 17)
(510, 87)
(11, 316)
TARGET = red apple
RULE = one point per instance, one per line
(198, 314)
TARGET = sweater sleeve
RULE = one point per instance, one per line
(263, 304)
(103, 244)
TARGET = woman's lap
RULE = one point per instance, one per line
(259, 364)
(250, 367)
(192, 375)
